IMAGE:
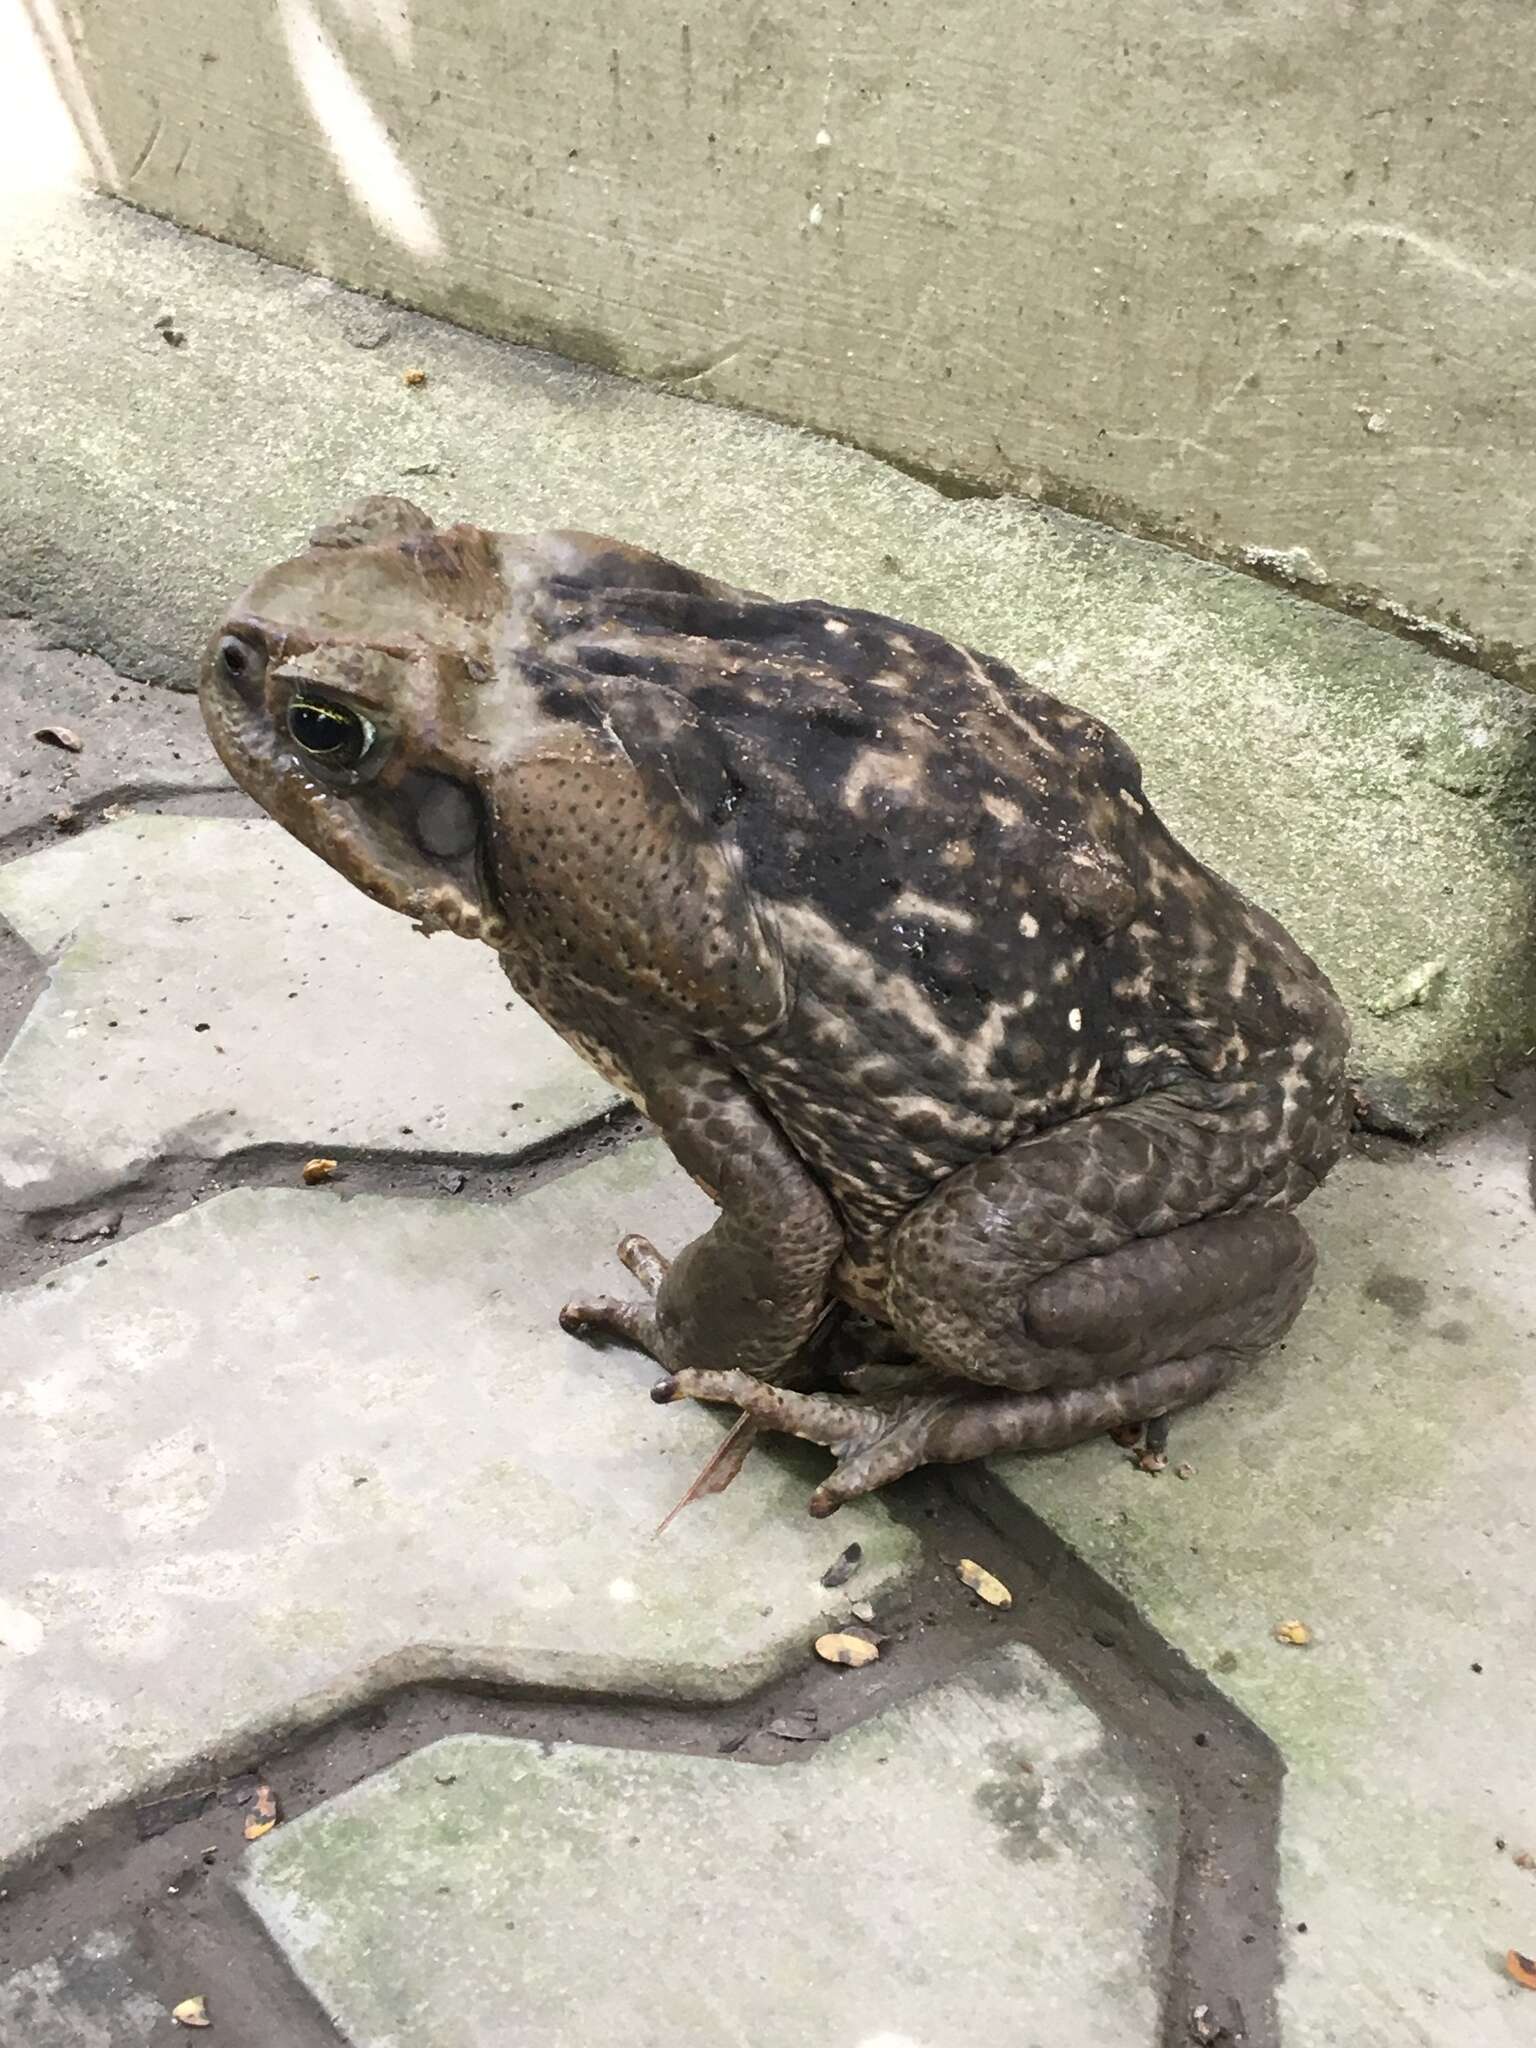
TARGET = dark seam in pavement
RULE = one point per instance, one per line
(140, 1864)
(31, 1249)
(1226, 1949)
(128, 799)
(171, 1185)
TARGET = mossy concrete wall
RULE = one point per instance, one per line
(1257, 276)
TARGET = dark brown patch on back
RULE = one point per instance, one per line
(855, 751)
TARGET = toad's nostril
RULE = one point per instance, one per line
(241, 664)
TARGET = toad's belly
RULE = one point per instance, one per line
(860, 1275)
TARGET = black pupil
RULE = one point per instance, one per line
(321, 729)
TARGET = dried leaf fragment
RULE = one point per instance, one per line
(799, 1726)
(983, 1583)
(414, 378)
(263, 1816)
(1296, 1633)
(1521, 1968)
(843, 1649)
(192, 2012)
(843, 1567)
(718, 1470)
(60, 736)
(317, 1170)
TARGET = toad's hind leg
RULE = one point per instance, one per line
(1106, 1272)
(1261, 1263)
(878, 1441)
(1142, 1234)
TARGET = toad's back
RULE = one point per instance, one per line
(986, 927)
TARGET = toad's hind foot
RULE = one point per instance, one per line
(1152, 1455)
(875, 1442)
(599, 1316)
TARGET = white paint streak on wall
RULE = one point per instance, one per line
(1445, 255)
(358, 139)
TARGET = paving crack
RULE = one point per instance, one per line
(1226, 1940)
(215, 799)
(36, 1244)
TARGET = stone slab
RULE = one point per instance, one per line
(217, 987)
(90, 1995)
(292, 1448)
(978, 1865)
(1379, 801)
(1234, 279)
(1373, 1480)
(135, 739)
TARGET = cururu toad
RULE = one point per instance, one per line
(1005, 1099)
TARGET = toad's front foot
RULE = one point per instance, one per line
(600, 1316)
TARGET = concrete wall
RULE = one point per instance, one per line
(1255, 275)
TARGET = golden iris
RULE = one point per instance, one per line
(328, 732)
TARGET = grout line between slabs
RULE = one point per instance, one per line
(35, 1245)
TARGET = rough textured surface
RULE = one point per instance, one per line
(1378, 801)
(1373, 1481)
(359, 1450)
(979, 1865)
(134, 738)
(90, 1996)
(1266, 280)
(217, 987)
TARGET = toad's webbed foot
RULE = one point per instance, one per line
(875, 1442)
(600, 1316)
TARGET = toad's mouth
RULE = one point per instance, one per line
(416, 844)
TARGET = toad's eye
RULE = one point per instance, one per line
(332, 733)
